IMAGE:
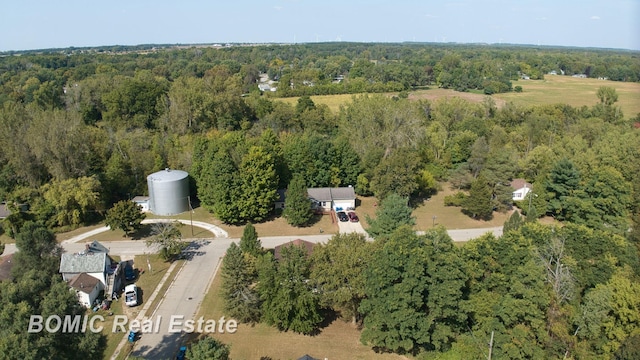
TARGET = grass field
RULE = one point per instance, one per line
(573, 91)
(450, 217)
(553, 89)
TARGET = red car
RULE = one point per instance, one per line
(353, 217)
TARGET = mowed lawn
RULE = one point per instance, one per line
(450, 217)
(552, 90)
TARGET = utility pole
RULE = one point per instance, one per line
(190, 213)
(490, 346)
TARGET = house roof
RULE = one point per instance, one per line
(343, 193)
(319, 194)
(96, 247)
(79, 263)
(6, 263)
(84, 282)
(518, 184)
(4, 211)
(140, 198)
(306, 245)
(307, 357)
(330, 194)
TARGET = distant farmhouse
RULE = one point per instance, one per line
(521, 189)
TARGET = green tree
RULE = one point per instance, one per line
(395, 285)
(396, 174)
(167, 238)
(478, 204)
(610, 314)
(607, 109)
(297, 205)
(289, 302)
(74, 200)
(125, 215)
(208, 349)
(249, 242)
(259, 185)
(392, 213)
(241, 300)
(304, 103)
(513, 223)
(507, 295)
(563, 181)
(338, 273)
(38, 249)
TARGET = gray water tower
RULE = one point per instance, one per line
(168, 192)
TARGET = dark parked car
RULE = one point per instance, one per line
(342, 216)
(181, 353)
(129, 273)
(353, 217)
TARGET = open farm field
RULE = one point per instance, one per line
(573, 91)
(552, 90)
(332, 101)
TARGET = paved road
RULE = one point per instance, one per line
(183, 298)
(184, 295)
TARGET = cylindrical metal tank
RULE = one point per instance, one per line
(168, 192)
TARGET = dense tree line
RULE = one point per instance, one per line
(538, 291)
(80, 132)
(35, 288)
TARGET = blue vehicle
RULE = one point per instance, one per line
(132, 336)
(181, 353)
(129, 273)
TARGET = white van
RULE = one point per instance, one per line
(131, 295)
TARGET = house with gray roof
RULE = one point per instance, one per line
(96, 264)
(325, 199)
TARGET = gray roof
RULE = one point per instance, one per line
(4, 211)
(319, 194)
(89, 263)
(330, 194)
(167, 175)
(96, 247)
(84, 282)
(343, 193)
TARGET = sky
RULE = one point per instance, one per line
(43, 24)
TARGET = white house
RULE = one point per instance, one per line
(323, 200)
(521, 189)
(327, 199)
(87, 288)
(93, 264)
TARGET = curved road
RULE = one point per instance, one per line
(186, 292)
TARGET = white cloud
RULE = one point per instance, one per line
(278, 8)
(595, 17)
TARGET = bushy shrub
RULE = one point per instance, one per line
(455, 200)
